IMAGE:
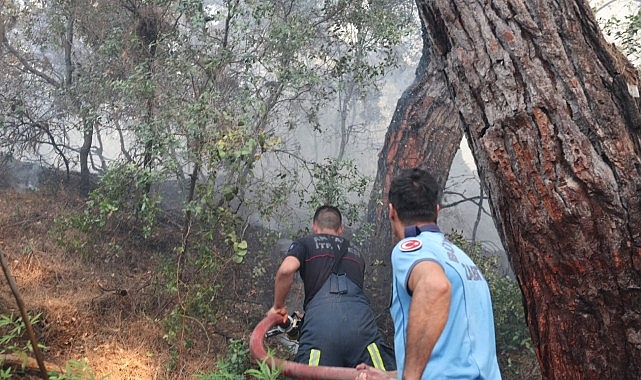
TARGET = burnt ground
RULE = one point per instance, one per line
(106, 303)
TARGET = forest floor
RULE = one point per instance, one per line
(108, 308)
(107, 303)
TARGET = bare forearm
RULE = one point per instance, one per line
(423, 330)
(281, 288)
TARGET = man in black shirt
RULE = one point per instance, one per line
(338, 328)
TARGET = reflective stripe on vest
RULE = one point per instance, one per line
(314, 357)
(375, 354)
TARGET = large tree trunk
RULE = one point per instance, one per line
(424, 131)
(551, 112)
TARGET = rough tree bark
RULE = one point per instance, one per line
(424, 131)
(551, 112)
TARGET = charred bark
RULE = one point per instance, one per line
(551, 112)
(424, 131)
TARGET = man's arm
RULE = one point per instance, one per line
(431, 292)
(283, 282)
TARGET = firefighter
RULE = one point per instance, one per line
(339, 328)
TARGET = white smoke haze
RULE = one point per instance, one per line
(371, 115)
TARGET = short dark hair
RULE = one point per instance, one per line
(415, 193)
(329, 217)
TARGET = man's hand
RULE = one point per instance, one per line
(366, 372)
(282, 311)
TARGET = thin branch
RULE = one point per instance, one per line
(25, 317)
(28, 66)
(478, 214)
(607, 4)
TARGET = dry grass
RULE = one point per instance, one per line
(106, 308)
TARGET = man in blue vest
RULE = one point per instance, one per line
(441, 306)
(338, 327)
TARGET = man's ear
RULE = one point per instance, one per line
(340, 230)
(392, 212)
(395, 223)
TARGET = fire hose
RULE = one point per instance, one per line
(289, 368)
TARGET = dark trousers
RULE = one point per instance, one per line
(339, 330)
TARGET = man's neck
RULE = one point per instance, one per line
(326, 232)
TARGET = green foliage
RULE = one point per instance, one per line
(65, 235)
(235, 364)
(264, 371)
(337, 183)
(5, 373)
(195, 12)
(203, 109)
(124, 187)
(122, 200)
(365, 36)
(212, 249)
(363, 234)
(513, 334)
(184, 320)
(75, 370)
(625, 28)
(239, 247)
(10, 331)
(12, 340)
(237, 356)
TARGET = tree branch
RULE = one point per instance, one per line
(25, 317)
(28, 66)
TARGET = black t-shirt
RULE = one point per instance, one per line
(317, 253)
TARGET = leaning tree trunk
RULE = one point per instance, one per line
(551, 112)
(424, 131)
